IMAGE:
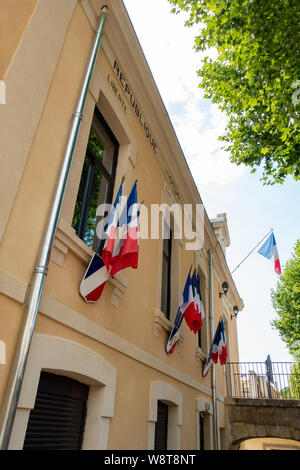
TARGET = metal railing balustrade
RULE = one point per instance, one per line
(271, 380)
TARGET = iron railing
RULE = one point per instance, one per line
(280, 380)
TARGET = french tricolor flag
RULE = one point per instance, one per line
(116, 255)
(198, 303)
(269, 249)
(187, 306)
(186, 309)
(110, 230)
(218, 349)
(94, 280)
(175, 332)
(126, 251)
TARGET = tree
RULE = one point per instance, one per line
(286, 302)
(295, 382)
(254, 78)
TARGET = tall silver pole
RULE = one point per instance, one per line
(212, 332)
(41, 269)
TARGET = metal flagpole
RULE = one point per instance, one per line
(252, 251)
(41, 269)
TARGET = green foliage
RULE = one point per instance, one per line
(285, 393)
(286, 302)
(89, 183)
(295, 382)
(253, 79)
(292, 392)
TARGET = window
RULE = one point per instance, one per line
(161, 427)
(97, 181)
(202, 333)
(201, 431)
(58, 417)
(166, 273)
(165, 416)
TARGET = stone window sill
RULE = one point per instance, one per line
(161, 322)
(200, 356)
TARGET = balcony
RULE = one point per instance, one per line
(268, 380)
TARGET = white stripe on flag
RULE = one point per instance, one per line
(93, 281)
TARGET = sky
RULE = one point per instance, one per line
(252, 209)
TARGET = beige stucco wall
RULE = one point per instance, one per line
(124, 327)
(14, 17)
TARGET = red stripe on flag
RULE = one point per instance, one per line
(109, 247)
(95, 294)
(277, 266)
(129, 253)
(223, 355)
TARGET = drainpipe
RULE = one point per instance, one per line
(212, 333)
(41, 269)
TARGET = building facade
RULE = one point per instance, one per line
(101, 366)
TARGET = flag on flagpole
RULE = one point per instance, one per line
(174, 335)
(94, 280)
(195, 319)
(223, 351)
(218, 348)
(110, 230)
(269, 249)
(126, 251)
(197, 302)
(187, 306)
(114, 257)
(201, 305)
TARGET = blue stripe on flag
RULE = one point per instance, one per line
(267, 249)
(96, 264)
(126, 214)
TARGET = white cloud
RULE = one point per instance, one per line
(168, 47)
(198, 133)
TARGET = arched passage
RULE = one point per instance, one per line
(269, 443)
(260, 418)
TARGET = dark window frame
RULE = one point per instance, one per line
(161, 427)
(166, 259)
(201, 431)
(95, 164)
(199, 334)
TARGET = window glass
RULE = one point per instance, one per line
(104, 151)
(201, 431)
(166, 276)
(97, 181)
